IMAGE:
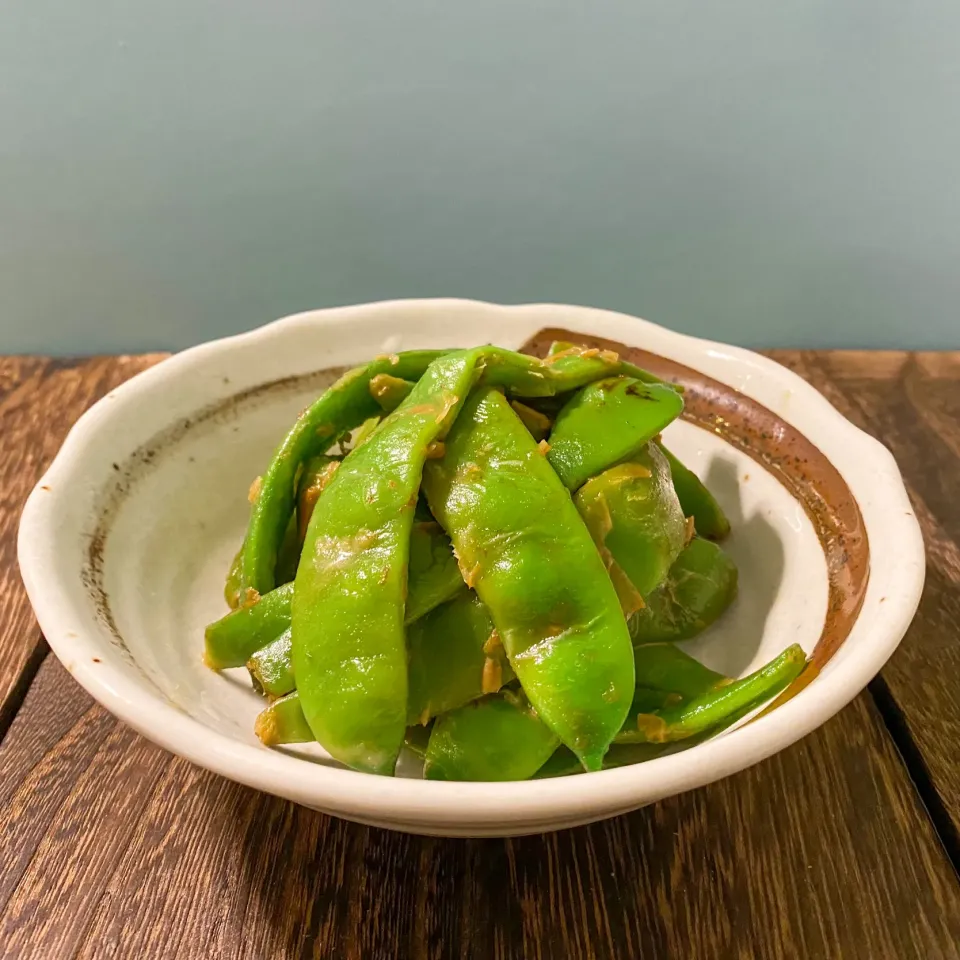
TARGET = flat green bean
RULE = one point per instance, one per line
(271, 667)
(699, 587)
(283, 722)
(697, 501)
(233, 639)
(607, 422)
(341, 408)
(496, 738)
(455, 656)
(636, 522)
(505, 511)
(716, 705)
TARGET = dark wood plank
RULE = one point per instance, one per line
(115, 849)
(40, 399)
(911, 402)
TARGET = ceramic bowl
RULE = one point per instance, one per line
(125, 541)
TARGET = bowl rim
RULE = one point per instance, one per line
(485, 805)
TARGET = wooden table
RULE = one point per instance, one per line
(844, 845)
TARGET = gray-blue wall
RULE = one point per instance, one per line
(766, 171)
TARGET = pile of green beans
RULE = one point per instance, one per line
(487, 558)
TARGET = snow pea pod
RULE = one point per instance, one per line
(524, 376)
(717, 705)
(697, 501)
(455, 657)
(508, 514)
(636, 522)
(271, 667)
(536, 422)
(450, 647)
(283, 722)
(348, 644)
(349, 654)
(341, 408)
(664, 667)
(496, 738)
(607, 422)
(562, 351)
(389, 391)
(700, 585)
(433, 575)
(233, 639)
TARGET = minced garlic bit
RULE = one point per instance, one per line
(254, 490)
(493, 643)
(590, 353)
(611, 356)
(469, 576)
(450, 400)
(436, 450)
(392, 357)
(250, 597)
(566, 352)
(653, 728)
(492, 675)
(265, 727)
(543, 447)
(691, 530)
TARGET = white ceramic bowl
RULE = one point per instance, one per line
(124, 544)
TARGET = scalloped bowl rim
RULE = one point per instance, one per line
(896, 556)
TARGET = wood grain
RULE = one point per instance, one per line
(911, 403)
(116, 849)
(113, 848)
(40, 399)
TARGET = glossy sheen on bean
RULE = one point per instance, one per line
(525, 550)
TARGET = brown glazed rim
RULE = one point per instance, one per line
(789, 456)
